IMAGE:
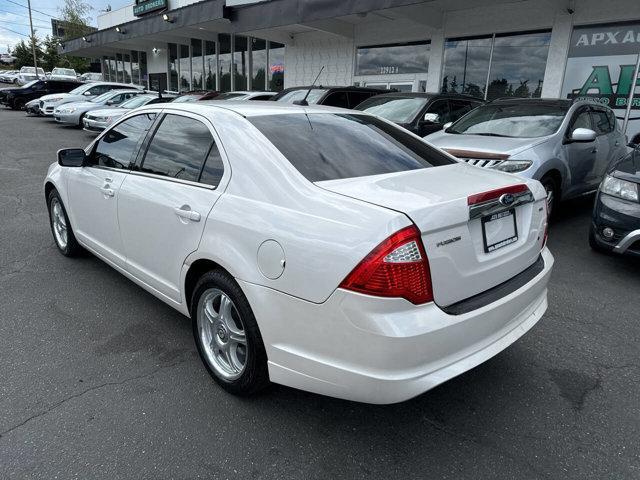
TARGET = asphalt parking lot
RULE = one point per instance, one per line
(98, 379)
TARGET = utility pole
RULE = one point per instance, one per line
(33, 41)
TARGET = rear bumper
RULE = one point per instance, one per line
(67, 118)
(381, 350)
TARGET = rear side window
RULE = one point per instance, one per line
(327, 146)
(178, 148)
(117, 147)
(337, 99)
(213, 169)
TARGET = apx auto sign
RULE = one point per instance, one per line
(143, 7)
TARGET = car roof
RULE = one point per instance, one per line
(252, 109)
(429, 95)
(327, 87)
(552, 102)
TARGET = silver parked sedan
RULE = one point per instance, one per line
(73, 113)
(98, 120)
(566, 145)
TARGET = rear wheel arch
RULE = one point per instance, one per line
(196, 270)
(556, 175)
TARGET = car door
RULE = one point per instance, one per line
(165, 201)
(580, 157)
(94, 188)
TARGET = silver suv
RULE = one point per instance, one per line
(566, 145)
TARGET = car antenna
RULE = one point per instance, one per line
(304, 102)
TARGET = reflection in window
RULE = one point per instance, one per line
(126, 68)
(119, 68)
(258, 63)
(178, 148)
(391, 59)
(185, 73)
(197, 71)
(210, 67)
(224, 61)
(466, 64)
(116, 148)
(213, 168)
(173, 67)
(276, 67)
(135, 68)
(518, 63)
(144, 73)
(241, 62)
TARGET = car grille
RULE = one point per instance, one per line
(41, 104)
(480, 162)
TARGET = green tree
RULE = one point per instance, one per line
(24, 53)
(75, 17)
(50, 55)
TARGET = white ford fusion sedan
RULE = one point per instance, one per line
(320, 248)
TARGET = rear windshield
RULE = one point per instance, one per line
(394, 109)
(295, 95)
(328, 146)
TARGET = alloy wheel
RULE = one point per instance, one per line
(59, 222)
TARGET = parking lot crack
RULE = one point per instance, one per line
(84, 392)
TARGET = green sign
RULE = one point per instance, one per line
(143, 7)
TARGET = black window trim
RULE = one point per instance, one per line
(144, 147)
(594, 109)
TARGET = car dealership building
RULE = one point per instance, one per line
(485, 48)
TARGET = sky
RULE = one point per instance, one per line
(14, 17)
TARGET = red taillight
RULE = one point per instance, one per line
(398, 267)
(494, 194)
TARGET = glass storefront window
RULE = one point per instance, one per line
(173, 67)
(518, 65)
(466, 65)
(276, 67)
(506, 65)
(210, 67)
(119, 68)
(185, 68)
(410, 57)
(135, 68)
(240, 62)
(112, 69)
(197, 68)
(258, 64)
(225, 62)
(144, 72)
(126, 59)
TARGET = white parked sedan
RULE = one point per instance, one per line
(315, 247)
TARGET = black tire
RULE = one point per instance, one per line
(255, 375)
(550, 184)
(72, 248)
(80, 124)
(18, 104)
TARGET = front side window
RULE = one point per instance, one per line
(99, 89)
(511, 120)
(178, 148)
(581, 120)
(117, 147)
(394, 109)
(601, 122)
(459, 108)
(441, 109)
(327, 146)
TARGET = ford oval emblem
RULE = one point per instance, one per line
(507, 199)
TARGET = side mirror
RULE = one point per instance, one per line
(87, 93)
(431, 118)
(447, 125)
(582, 135)
(71, 157)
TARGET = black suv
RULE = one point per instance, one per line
(344, 97)
(16, 98)
(420, 113)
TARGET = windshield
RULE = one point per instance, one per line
(398, 110)
(511, 120)
(186, 98)
(31, 70)
(136, 102)
(229, 95)
(29, 84)
(63, 71)
(103, 98)
(314, 96)
(328, 146)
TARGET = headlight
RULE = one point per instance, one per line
(513, 166)
(620, 188)
(68, 110)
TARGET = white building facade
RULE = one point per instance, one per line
(486, 48)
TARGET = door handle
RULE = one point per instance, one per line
(617, 144)
(107, 191)
(187, 214)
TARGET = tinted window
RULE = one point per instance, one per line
(526, 120)
(356, 98)
(99, 89)
(327, 146)
(440, 108)
(612, 119)
(117, 147)
(459, 108)
(601, 122)
(213, 168)
(581, 120)
(337, 99)
(178, 148)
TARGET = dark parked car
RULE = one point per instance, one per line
(16, 98)
(615, 225)
(344, 97)
(420, 113)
